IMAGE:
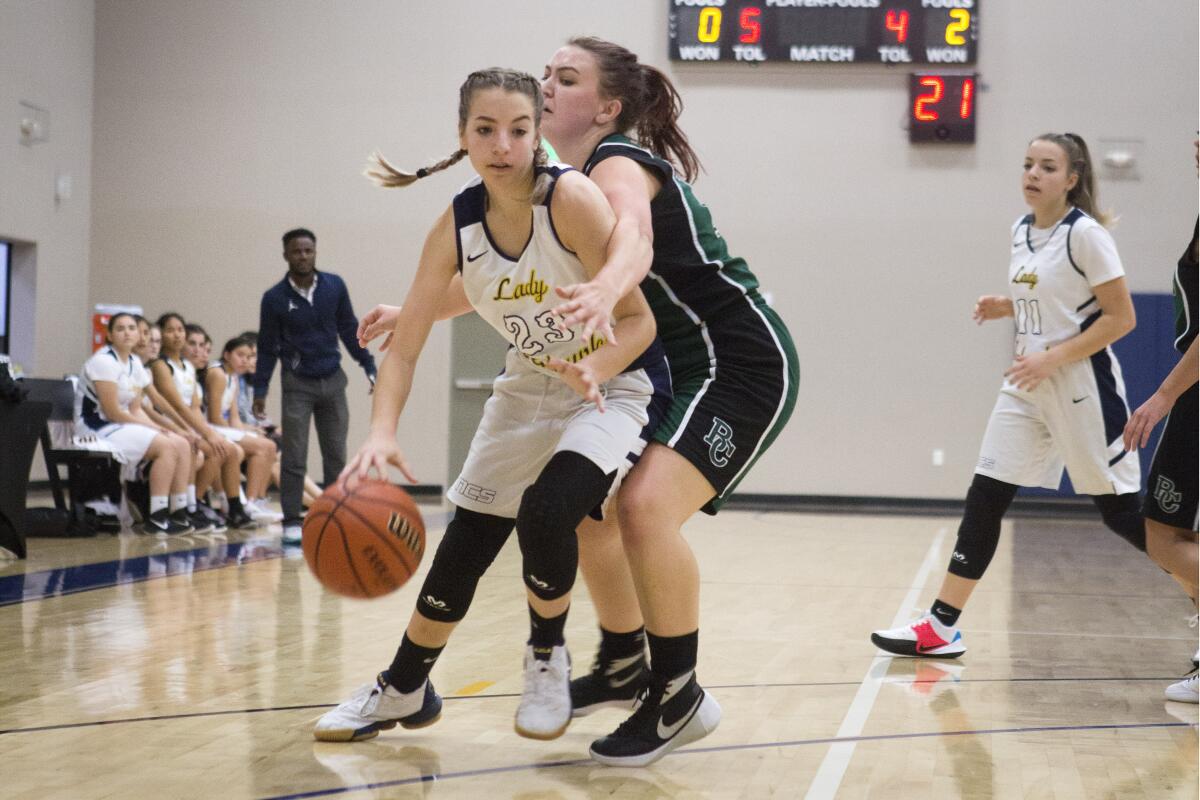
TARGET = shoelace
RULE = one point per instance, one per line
(643, 708)
(369, 695)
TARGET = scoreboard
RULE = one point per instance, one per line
(943, 32)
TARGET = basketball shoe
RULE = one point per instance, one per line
(667, 716)
(379, 707)
(545, 709)
(292, 534)
(612, 683)
(258, 511)
(1186, 690)
(927, 637)
(161, 523)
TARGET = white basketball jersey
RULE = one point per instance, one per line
(515, 292)
(1051, 275)
(105, 365)
(184, 375)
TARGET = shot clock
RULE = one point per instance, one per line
(941, 107)
(838, 31)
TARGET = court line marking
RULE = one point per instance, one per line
(891, 680)
(579, 762)
(833, 767)
(473, 688)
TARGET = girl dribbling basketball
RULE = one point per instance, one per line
(565, 417)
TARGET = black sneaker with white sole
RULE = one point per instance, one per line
(240, 521)
(161, 524)
(612, 683)
(199, 522)
(212, 515)
(667, 716)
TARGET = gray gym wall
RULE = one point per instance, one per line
(196, 133)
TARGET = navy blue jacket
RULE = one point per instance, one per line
(304, 337)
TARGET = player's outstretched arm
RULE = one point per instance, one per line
(628, 188)
(585, 223)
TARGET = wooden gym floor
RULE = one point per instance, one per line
(194, 668)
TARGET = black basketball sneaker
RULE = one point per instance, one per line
(667, 716)
(612, 683)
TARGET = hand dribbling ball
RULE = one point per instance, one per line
(363, 538)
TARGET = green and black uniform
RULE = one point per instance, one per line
(734, 369)
(1172, 490)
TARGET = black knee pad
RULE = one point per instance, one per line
(979, 533)
(568, 488)
(469, 547)
(1122, 514)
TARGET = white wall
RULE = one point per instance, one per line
(46, 58)
(219, 125)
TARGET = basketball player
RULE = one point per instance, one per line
(112, 411)
(565, 419)
(733, 369)
(1063, 399)
(221, 384)
(175, 378)
(1172, 493)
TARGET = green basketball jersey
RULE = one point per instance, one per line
(693, 279)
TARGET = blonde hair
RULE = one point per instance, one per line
(388, 176)
(1083, 195)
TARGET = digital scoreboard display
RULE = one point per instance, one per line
(941, 32)
(941, 107)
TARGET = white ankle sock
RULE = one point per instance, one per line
(158, 502)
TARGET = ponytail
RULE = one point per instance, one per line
(1084, 194)
(658, 128)
(650, 104)
(389, 177)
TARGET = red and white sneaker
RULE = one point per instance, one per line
(925, 638)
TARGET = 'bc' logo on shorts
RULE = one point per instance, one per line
(1164, 492)
(720, 442)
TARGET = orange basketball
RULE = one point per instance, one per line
(363, 538)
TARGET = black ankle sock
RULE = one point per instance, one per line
(411, 665)
(671, 656)
(622, 645)
(946, 614)
(545, 634)
(235, 505)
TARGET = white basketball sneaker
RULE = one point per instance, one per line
(927, 637)
(545, 709)
(378, 707)
(257, 510)
(1186, 690)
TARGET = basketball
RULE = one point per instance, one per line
(363, 538)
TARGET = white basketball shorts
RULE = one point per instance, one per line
(1073, 419)
(130, 440)
(530, 417)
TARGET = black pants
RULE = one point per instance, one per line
(305, 399)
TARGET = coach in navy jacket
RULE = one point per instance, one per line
(300, 321)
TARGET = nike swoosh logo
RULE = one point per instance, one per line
(669, 731)
(614, 683)
(1080, 400)
(619, 664)
(477, 257)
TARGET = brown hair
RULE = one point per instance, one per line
(1079, 161)
(650, 105)
(388, 176)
